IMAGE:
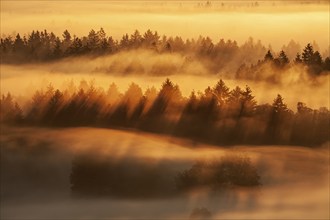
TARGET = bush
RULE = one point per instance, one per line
(230, 171)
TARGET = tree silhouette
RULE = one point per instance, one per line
(66, 36)
(278, 105)
(234, 101)
(76, 47)
(307, 54)
(217, 116)
(326, 64)
(66, 40)
(214, 56)
(125, 42)
(10, 111)
(298, 59)
(282, 59)
(164, 109)
(150, 97)
(248, 102)
(101, 34)
(222, 92)
(150, 39)
(112, 45)
(280, 120)
(53, 107)
(316, 58)
(93, 41)
(57, 51)
(132, 97)
(19, 44)
(269, 56)
(136, 39)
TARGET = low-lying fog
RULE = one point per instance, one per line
(36, 165)
(23, 80)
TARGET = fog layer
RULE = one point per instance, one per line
(22, 81)
(36, 166)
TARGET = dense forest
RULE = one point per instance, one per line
(245, 61)
(219, 115)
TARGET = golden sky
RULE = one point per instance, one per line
(274, 23)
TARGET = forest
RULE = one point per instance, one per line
(218, 115)
(154, 109)
(247, 61)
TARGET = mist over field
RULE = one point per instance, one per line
(164, 110)
(23, 80)
(36, 177)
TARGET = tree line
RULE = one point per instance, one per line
(309, 59)
(41, 46)
(218, 115)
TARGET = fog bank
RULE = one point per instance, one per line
(36, 165)
(23, 80)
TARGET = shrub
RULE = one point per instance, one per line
(229, 171)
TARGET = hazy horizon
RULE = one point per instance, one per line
(164, 109)
(274, 23)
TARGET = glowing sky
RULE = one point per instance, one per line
(274, 23)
